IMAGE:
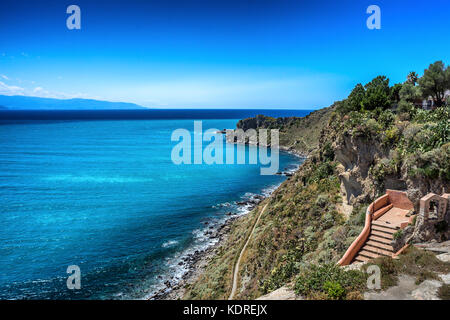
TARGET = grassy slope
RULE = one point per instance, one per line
(297, 133)
(304, 133)
(303, 210)
(216, 281)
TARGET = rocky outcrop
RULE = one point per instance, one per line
(358, 157)
(355, 156)
(407, 289)
(283, 293)
(261, 121)
(298, 135)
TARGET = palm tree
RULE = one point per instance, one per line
(412, 78)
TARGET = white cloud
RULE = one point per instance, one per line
(11, 90)
(38, 91)
(43, 93)
(4, 76)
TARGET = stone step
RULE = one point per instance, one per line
(360, 258)
(376, 250)
(385, 224)
(382, 234)
(380, 245)
(383, 229)
(368, 254)
(379, 239)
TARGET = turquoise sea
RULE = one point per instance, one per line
(104, 194)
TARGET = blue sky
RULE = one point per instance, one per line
(215, 54)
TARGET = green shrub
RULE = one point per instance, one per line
(425, 275)
(405, 107)
(409, 92)
(334, 290)
(410, 131)
(329, 279)
(279, 276)
(414, 220)
(398, 234)
(328, 152)
(324, 170)
(358, 215)
(386, 118)
(322, 200)
(391, 135)
(368, 128)
(386, 167)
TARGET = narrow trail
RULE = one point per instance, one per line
(236, 267)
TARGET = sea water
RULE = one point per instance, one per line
(104, 195)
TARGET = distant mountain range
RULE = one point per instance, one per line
(36, 103)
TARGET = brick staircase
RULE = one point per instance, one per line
(384, 216)
(378, 243)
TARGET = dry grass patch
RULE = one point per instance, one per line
(421, 264)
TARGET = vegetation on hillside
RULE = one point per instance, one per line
(303, 232)
(302, 224)
(422, 265)
(300, 134)
(330, 282)
(417, 141)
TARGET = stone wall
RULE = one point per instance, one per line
(430, 227)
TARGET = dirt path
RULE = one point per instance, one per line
(236, 267)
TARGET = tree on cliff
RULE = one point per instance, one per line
(410, 92)
(377, 95)
(412, 78)
(435, 81)
(356, 97)
(395, 92)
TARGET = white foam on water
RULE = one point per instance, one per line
(202, 241)
(169, 243)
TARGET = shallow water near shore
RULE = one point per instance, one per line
(105, 195)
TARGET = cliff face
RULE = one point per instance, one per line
(356, 157)
(368, 164)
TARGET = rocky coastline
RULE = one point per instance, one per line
(195, 262)
(290, 150)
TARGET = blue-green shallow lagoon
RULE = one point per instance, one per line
(105, 195)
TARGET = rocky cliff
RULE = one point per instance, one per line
(371, 160)
(297, 134)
